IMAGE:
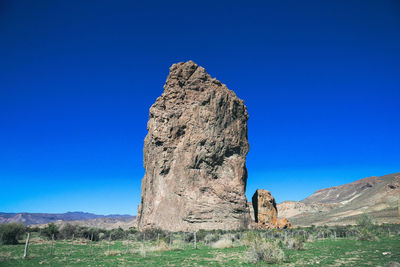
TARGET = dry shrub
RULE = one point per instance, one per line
(222, 243)
(294, 243)
(161, 246)
(113, 253)
(177, 243)
(266, 251)
(4, 254)
(311, 238)
(208, 239)
(250, 238)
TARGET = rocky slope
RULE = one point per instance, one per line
(378, 196)
(195, 155)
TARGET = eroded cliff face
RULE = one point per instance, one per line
(195, 155)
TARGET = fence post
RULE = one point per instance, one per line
(109, 240)
(52, 243)
(195, 241)
(27, 245)
(91, 245)
(72, 244)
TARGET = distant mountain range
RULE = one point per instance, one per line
(43, 218)
(339, 205)
(377, 196)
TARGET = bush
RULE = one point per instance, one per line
(102, 236)
(91, 233)
(132, 230)
(266, 251)
(161, 245)
(117, 234)
(153, 234)
(366, 224)
(51, 230)
(366, 234)
(68, 231)
(366, 221)
(201, 234)
(10, 233)
(208, 239)
(178, 243)
(250, 238)
(31, 229)
(222, 243)
(112, 253)
(294, 243)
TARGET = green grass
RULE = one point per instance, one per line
(348, 252)
(345, 252)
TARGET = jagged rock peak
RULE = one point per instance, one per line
(194, 155)
(189, 75)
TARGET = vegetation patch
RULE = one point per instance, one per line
(330, 246)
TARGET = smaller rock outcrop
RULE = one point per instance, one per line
(265, 211)
(283, 223)
(264, 206)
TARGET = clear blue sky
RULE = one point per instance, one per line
(321, 80)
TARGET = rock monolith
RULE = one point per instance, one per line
(265, 211)
(194, 155)
(264, 206)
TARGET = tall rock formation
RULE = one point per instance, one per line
(264, 206)
(195, 155)
(265, 211)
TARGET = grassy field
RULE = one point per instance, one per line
(328, 252)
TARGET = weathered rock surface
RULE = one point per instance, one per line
(251, 211)
(265, 211)
(283, 223)
(264, 206)
(194, 155)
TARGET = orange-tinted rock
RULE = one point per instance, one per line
(264, 205)
(283, 223)
(265, 211)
